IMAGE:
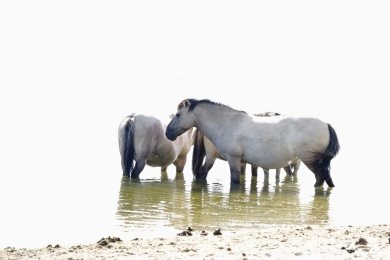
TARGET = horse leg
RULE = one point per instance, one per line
(138, 168)
(243, 168)
(324, 176)
(327, 177)
(180, 163)
(235, 169)
(266, 174)
(320, 166)
(288, 170)
(254, 170)
(164, 169)
(296, 166)
(277, 174)
(204, 170)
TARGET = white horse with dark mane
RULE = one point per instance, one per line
(205, 153)
(142, 139)
(267, 142)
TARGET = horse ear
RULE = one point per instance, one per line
(184, 103)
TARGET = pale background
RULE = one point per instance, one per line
(71, 70)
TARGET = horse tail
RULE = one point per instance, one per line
(198, 152)
(126, 144)
(321, 162)
(333, 146)
(330, 152)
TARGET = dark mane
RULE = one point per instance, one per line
(192, 103)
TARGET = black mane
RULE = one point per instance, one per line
(194, 102)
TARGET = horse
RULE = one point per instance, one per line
(203, 147)
(142, 139)
(267, 142)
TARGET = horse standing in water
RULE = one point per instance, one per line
(142, 139)
(203, 147)
(268, 142)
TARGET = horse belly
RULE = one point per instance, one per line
(270, 159)
(160, 159)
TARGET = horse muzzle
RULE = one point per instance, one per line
(170, 135)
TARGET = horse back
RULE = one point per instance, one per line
(275, 142)
(148, 135)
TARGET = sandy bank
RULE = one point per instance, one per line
(314, 242)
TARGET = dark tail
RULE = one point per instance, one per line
(321, 162)
(330, 152)
(126, 145)
(198, 152)
(333, 146)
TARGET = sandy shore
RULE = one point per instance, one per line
(313, 242)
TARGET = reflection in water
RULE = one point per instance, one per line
(174, 204)
(319, 208)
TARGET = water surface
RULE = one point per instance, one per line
(66, 187)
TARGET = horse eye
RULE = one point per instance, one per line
(177, 115)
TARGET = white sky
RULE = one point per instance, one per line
(63, 62)
(295, 56)
(71, 70)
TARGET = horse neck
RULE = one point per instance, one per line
(183, 141)
(211, 119)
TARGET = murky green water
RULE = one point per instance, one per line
(179, 203)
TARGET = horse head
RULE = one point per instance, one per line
(181, 121)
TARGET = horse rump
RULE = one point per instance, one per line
(320, 162)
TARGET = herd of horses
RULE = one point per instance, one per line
(217, 131)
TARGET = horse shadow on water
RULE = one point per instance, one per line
(268, 142)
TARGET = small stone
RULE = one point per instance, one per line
(184, 233)
(102, 242)
(10, 249)
(217, 232)
(203, 233)
(361, 241)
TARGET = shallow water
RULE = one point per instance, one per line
(70, 190)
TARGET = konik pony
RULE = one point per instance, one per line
(267, 142)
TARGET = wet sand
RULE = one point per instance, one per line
(287, 242)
